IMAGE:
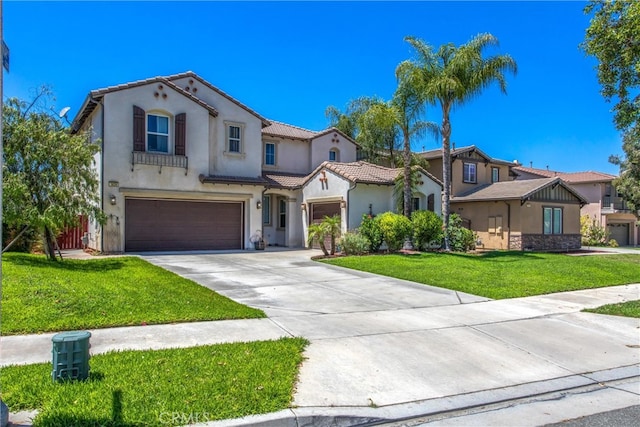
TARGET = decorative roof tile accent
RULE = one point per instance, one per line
(284, 130)
(512, 190)
(571, 177)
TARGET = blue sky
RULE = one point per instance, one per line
(290, 60)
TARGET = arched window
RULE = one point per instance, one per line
(334, 155)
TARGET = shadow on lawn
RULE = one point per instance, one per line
(65, 419)
(41, 261)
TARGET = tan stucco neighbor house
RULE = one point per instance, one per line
(185, 166)
(541, 214)
(604, 204)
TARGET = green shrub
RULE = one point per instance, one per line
(612, 243)
(593, 234)
(370, 229)
(354, 243)
(395, 229)
(460, 239)
(427, 228)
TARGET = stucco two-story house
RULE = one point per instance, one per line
(185, 166)
(604, 204)
(541, 214)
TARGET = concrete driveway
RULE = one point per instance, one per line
(386, 348)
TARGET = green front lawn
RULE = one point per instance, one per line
(161, 388)
(627, 309)
(39, 295)
(502, 274)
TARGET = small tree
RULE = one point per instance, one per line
(49, 178)
(317, 233)
(332, 228)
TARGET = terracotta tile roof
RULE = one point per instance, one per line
(571, 177)
(284, 130)
(283, 180)
(366, 173)
(510, 190)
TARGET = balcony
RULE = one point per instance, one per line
(614, 204)
(160, 160)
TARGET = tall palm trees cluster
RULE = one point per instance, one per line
(448, 77)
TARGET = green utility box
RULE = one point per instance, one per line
(71, 355)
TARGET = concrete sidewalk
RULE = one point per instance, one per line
(385, 350)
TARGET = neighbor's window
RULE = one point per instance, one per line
(333, 155)
(157, 133)
(266, 210)
(552, 220)
(282, 213)
(415, 204)
(270, 154)
(469, 173)
(235, 138)
(495, 174)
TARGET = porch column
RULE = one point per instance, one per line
(294, 233)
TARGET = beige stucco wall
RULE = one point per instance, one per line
(205, 149)
(516, 219)
(292, 156)
(483, 175)
(321, 146)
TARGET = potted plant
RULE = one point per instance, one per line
(257, 240)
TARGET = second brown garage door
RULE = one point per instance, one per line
(318, 212)
(176, 225)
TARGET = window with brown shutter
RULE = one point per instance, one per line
(181, 134)
(138, 129)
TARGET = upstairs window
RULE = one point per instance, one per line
(469, 173)
(333, 155)
(270, 154)
(235, 139)
(495, 174)
(157, 133)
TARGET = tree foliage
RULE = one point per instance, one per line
(449, 77)
(49, 177)
(613, 38)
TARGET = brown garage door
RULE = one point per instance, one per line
(619, 232)
(318, 212)
(175, 225)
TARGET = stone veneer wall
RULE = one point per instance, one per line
(551, 242)
(515, 242)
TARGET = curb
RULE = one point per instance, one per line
(442, 407)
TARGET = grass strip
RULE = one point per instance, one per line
(162, 387)
(502, 274)
(627, 309)
(40, 295)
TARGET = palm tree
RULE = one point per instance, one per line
(408, 106)
(318, 232)
(449, 77)
(332, 228)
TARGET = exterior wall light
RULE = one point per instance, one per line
(343, 203)
(303, 206)
(259, 204)
(112, 199)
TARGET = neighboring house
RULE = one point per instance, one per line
(604, 204)
(541, 214)
(184, 166)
